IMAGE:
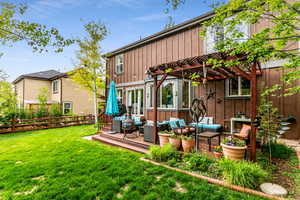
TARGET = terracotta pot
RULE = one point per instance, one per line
(188, 145)
(233, 152)
(175, 142)
(163, 139)
(218, 154)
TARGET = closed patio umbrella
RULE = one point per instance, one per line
(112, 102)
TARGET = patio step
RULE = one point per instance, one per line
(127, 141)
(107, 127)
(113, 142)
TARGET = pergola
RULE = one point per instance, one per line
(185, 68)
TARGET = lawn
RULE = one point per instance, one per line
(59, 164)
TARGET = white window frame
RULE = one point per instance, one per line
(139, 100)
(210, 48)
(71, 106)
(175, 97)
(239, 89)
(55, 90)
(122, 96)
(119, 68)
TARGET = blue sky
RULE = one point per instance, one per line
(127, 20)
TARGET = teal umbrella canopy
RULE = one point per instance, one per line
(112, 107)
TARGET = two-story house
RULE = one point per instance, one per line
(127, 66)
(61, 90)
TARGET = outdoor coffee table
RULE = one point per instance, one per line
(209, 135)
(130, 131)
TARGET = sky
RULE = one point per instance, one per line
(127, 21)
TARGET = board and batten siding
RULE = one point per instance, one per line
(186, 44)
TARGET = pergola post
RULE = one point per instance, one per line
(155, 108)
(253, 112)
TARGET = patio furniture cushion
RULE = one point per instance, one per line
(211, 126)
(182, 123)
(181, 131)
(173, 124)
(244, 133)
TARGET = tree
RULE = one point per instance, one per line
(89, 71)
(8, 102)
(270, 43)
(39, 37)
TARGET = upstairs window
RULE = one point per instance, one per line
(55, 87)
(217, 33)
(119, 64)
(237, 87)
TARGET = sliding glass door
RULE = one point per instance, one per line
(135, 98)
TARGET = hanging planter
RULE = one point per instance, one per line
(234, 148)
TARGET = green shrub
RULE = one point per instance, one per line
(163, 154)
(242, 173)
(278, 150)
(197, 162)
(234, 142)
(55, 110)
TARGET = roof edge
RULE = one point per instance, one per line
(162, 33)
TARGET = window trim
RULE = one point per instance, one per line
(71, 106)
(57, 89)
(190, 95)
(239, 90)
(122, 93)
(143, 99)
(117, 63)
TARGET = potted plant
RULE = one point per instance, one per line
(188, 143)
(175, 141)
(164, 137)
(234, 148)
(218, 151)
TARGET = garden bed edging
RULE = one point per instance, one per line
(216, 181)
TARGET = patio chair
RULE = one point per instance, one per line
(244, 133)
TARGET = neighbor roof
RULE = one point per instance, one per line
(43, 75)
(163, 33)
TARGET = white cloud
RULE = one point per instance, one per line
(151, 17)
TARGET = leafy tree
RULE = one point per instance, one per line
(270, 43)
(14, 29)
(89, 71)
(42, 98)
(8, 100)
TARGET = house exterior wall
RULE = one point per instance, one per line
(32, 89)
(185, 44)
(82, 99)
(19, 89)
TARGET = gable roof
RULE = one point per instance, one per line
(43, 75)
(163, 33)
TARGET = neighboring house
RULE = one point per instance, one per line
(127, 66)
(62, 90)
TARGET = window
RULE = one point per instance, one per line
(55, 87)
(120, 95)
(237, 87)
(119, 64)
(185, 94)
(67, 108)
(135, 99)
(216, 33)
(167, 96)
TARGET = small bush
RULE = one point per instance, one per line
(242, 173)
(163, 154)
(55, 110)
(278, 150)
(197, 162)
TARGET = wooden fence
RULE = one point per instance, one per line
(18, 125)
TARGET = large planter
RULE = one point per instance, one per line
(188, 145)
(175, 142)
(163, 139)
(233, 152)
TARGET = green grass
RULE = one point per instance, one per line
(59, 164)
